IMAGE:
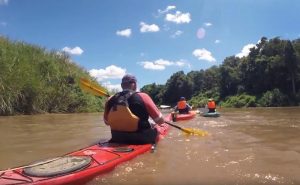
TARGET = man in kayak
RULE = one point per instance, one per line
(182, 106)
(127, 114)
(211, 105)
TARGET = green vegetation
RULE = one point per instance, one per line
(268, 76)
(34, 80)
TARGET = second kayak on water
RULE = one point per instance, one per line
(181, 117)
(211, 114)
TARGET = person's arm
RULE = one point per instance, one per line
(151, 108)
(106, 111)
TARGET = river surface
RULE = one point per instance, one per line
(244, 146)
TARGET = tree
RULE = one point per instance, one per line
(154, 91)
(229, 76)
(178, 85)
(290, 60)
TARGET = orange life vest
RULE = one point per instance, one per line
(211, 105)
(181, 104)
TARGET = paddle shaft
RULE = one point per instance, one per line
(174, 125)
(93, 88)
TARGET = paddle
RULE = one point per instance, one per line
(92, 88)
(190, 131)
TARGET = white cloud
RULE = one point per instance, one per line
(110, 72)
(217, 41)
(148, 28)
(245, 51)
(171, 7)
(161, 64)
(178, 17)
(3, 2)
(180, 63)
(176, 34)
(124, 33)
(73, 51)
(152, 66)
(208, 24)
(203, 54)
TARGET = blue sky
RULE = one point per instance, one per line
(151, 39)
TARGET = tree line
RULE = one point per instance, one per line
(36, 80)
(268, 76)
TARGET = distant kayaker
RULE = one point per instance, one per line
(127, 114)
(182, 106)
(211, 105)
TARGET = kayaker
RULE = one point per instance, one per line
(211, 105)
(182, 106)
(127, 114)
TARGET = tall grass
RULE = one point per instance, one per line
(34, 80)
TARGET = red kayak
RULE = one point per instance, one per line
(77, 167)
(182, 117)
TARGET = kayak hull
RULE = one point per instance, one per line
(104, 158)
(211, 114)
(182, 117)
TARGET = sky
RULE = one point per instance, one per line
(150, 39)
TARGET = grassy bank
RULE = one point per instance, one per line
(35, 80)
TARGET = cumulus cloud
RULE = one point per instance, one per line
(170, 7)
(73, 51)
(245, 51)
(148, 28)
(110, 72)
(152, 65)
(124, 33)
(160, 64)
(176, 34)
(178, 17)
(203, 54)
(3, 2)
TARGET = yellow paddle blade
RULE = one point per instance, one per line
(195, 132)
(96, 86)
(94, 89)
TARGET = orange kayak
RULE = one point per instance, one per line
(182, 117)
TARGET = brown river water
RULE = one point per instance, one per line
(244, 146)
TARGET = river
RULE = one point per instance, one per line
(244, 146)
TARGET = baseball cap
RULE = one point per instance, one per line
(129, 78)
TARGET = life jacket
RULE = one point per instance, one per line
(181, 104)
(211, 105)
(120, 117)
